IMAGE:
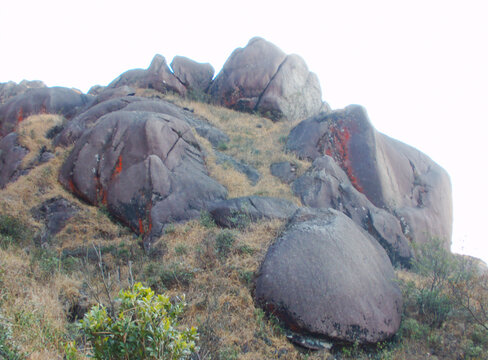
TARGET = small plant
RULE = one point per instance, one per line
(223, 243)
(13, 228)
(145, 327)
(222, 146)
(181, 249)
(206, 220)
(166, 276)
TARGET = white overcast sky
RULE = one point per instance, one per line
(419, 67)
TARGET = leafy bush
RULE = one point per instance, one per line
(223, 243)
(145, 327)
(206, 220)
(436, 265)
(412, 329)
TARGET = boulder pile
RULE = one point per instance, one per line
(365, 197)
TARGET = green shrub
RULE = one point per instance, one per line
(412, 329)
(145, 327)
(165, 276)
(12, 228)
(206, 220)
(223, 243)
(433, 306)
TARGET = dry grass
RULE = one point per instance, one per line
(254, 140)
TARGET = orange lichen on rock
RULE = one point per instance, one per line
(339, 150)
(20, 115)
(118, 167)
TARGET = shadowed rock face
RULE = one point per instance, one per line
(146, 168)
(326, 185)
(55, 100)
(157, 76)
(193, 75)
(11, 156)
(262, 78)
(326, 277)
(392, 175)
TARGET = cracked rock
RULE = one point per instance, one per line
(146, 168)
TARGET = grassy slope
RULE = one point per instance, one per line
(213, 267)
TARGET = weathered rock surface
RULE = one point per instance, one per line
(326, 185)
(262, 78)
(326, 277)
(112, 93)
(145, 167)
(194, 75)
(11, 156)
(85, 120)
(10, 89)
(157, 76)
(55, 100)
(54, 213)
(285, 171)
(251, 173)
(239, 212)
(393, 176)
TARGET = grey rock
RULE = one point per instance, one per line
(11, 156)
(54, 213)
(393, 176)
(157, 76)
(239, 212)
(251, 173)
(262, 78)
(285, 171)
(55, 100)
(326, 185)
(326, 277)
(194, 75)
(146, 168)
(10, 89)
(77, 126)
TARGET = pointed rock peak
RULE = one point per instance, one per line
(157, 62)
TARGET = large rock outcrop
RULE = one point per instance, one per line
(262, 78)
(55, 100)
(145, 167)
(87, 119)
(194, 75)
(10, 89)
(326, 185)
(157, 76)
(393, 176)
(326, 277)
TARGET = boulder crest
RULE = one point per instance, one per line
(262, 78)
(146, 168)
(54, 100)
(157, 76)
(392, 175)
(326, 277)
(194, 75)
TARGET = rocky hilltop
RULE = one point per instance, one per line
(352, 213)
